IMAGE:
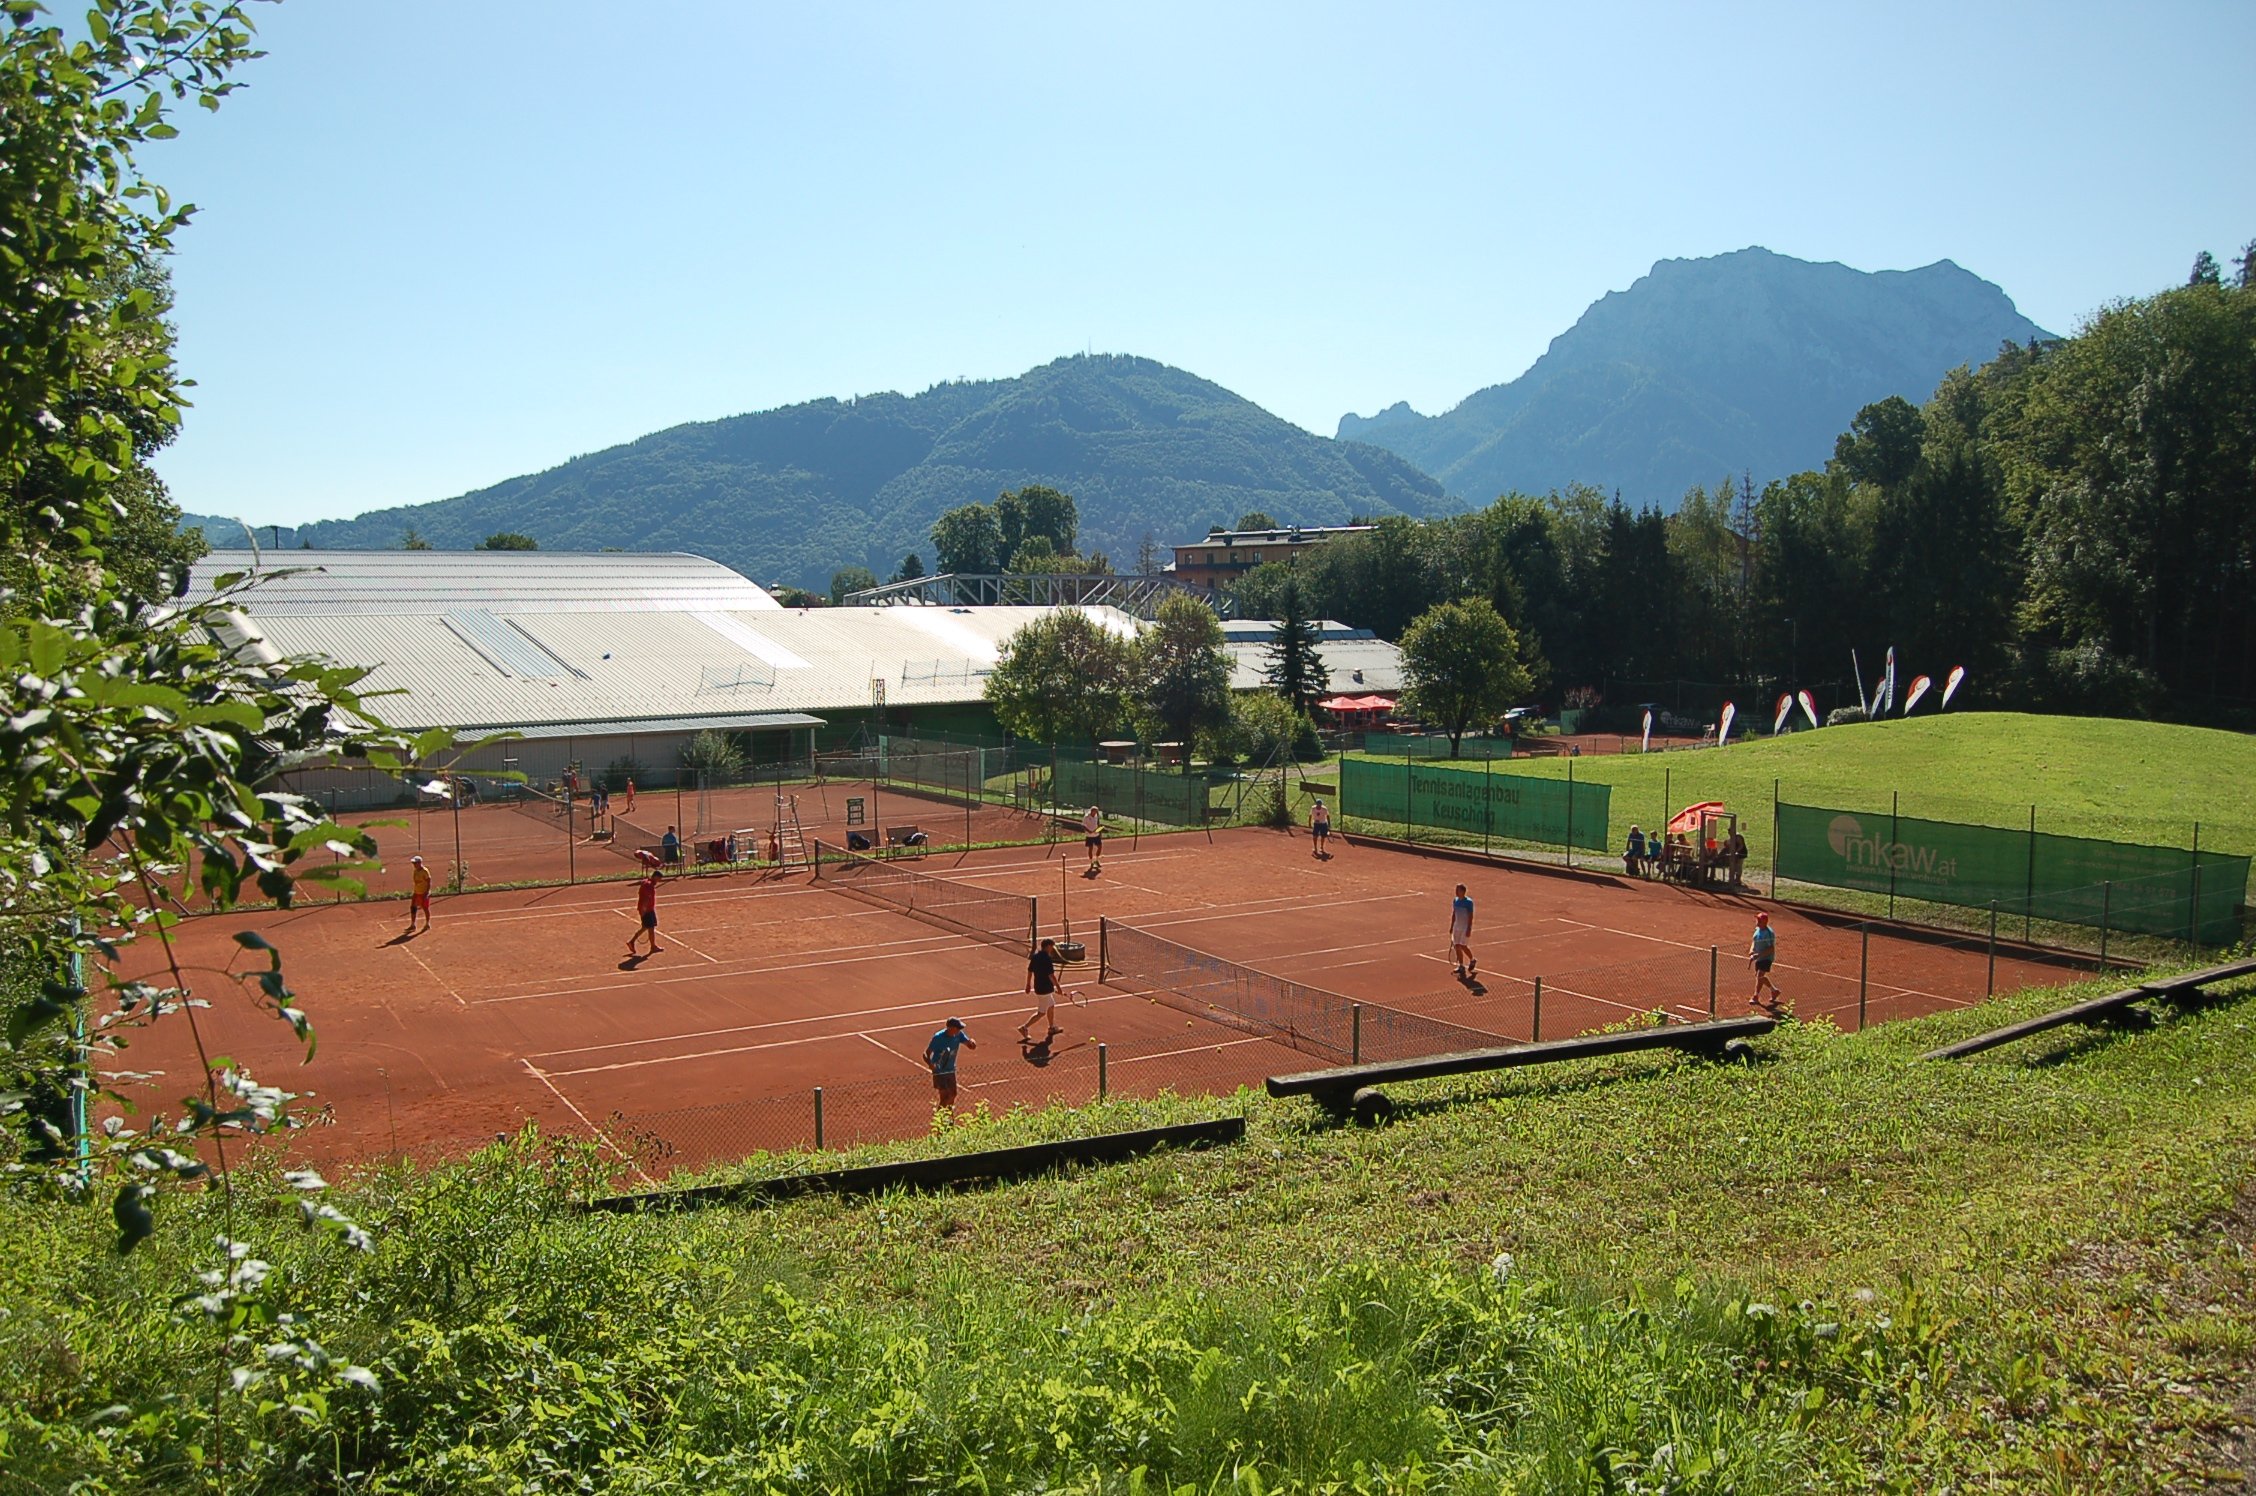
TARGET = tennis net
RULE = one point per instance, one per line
(1308, 1019)
(1004, 919)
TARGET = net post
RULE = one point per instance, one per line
(1712, 963)
(1355, 1033)
(818, 1119)
(1864, 967)
(1990, 988)
(1104, 1079)
(816, 876)
(2106, 909)
(1535, 1022)
(571, 841)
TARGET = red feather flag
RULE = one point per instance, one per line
(1785, 709)
(1723, 728)
(1645, 743)
(1919, 685)
(1809, 706)
(1950, 685)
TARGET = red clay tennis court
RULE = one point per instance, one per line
(518, 1005)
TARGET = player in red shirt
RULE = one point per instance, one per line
(646, 904)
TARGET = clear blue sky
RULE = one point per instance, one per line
(440, 245)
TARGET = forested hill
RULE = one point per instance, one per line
(792, 495)
(1747, 362)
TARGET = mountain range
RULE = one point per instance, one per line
(1704, 369)
(792, 495)
(1746, 362)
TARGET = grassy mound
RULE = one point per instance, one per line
(1838, 1268)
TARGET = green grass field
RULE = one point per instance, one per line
(2114, 780)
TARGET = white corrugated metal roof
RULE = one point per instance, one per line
(329, 583)
(687, 640)
(1351, 665)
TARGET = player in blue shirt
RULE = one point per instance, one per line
(1461, 933)
(1761, 952)
(940, 1055)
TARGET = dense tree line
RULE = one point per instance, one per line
(2074, 522)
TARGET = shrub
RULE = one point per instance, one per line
(1842, 716)
(1264, 729)
(621, 769)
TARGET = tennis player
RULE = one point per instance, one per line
(1042, 981)
(940, 1056)
(1461, 933)
(1092, 838)
(1762, 951)
(1320, 828)
(420, 898)
(646, 905)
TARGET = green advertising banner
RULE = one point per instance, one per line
(2071, 879)
(1509, 807)
(1171, 798)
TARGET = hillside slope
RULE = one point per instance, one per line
(1745, 362)
(792, 494)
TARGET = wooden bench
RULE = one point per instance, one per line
(1346, 1089)
(901, 836)
(2114, 1008)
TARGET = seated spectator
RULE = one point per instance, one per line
(1633, 855)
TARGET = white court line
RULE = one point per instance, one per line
(775, 1023)
(673, 937)
(700, 977)
(735, 1049)
(889, 1049)
(600, 1135)
(922, 945)
(444, 986)
(1214, 1048)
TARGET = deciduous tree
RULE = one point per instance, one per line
(1461, 665)
(1184, 671)
(1064, 678)
(968, 539)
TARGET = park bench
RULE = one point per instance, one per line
(2115, 1008)
(905, 836)
(1346, 1089)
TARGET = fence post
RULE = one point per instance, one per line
(1488, 803)
(1665, 772)
(1864, 966)
(1895, 840)
(818, 1120)
(1104, 948)
(2029, 888)
(571, 841)
(1355, 1033)
(1711, 980)
(2106, 908)
(1535, 1025)
(1774, 838)
(1570, 812)
(1104, 1080)
(1989, 989)
(2193, 914)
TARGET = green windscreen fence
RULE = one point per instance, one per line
(1411, 745)
(1171, 798)
(2070, 879)
(1495, 805)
